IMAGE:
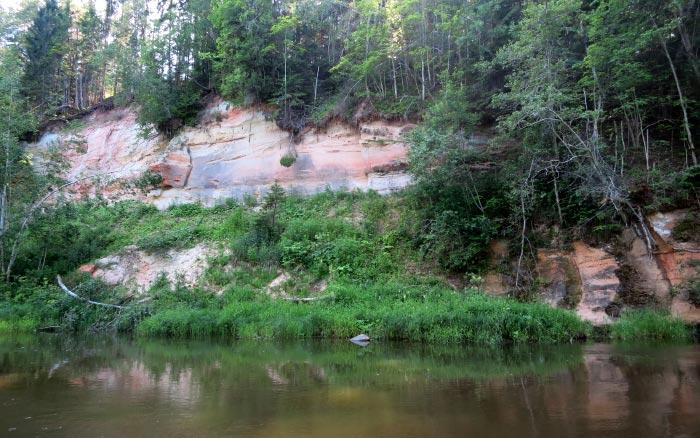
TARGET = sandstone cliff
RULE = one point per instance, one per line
(598, 282)
(231, 152)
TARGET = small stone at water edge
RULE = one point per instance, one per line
(360, 338)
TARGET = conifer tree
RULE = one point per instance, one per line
(44, 46)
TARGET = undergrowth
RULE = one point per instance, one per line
(649, 324)
(358, 252)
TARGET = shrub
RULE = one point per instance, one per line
(148, 181)
(688, 229)
(160, 241)
(322, 244)
(288, 160)
(186, 210)
(694, 291)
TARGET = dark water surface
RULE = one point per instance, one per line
(58, 386)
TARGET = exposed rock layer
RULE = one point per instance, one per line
(230, 153)
(598, 282)
(233, 152)
(138, 270)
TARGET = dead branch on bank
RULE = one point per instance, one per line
(78, 297)
(97, 303)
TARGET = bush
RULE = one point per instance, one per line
(694, 291)
(688, 229)
(323, 245)
(186, 210)
(288, 160)
(148, 181)
(160, 241)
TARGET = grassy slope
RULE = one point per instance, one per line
(361, 245)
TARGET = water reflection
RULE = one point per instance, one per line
(112, 387)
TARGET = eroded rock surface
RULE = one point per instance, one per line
(557, 270)
(230, 153)
(495, 282)
(599, 283)
(101, 143)
(138, 270)
(679, 261)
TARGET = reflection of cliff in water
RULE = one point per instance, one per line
(324, 389)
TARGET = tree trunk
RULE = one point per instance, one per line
(681, 99)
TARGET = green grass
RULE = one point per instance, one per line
(649, 325)
(18, 325)
(391, 312)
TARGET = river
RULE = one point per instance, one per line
(62, 386)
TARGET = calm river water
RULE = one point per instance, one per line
(58, 386)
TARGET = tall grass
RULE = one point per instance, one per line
(438, 317)
(18, 325)
(649, 324)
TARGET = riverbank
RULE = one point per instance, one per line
(446, 318)
(285, 267)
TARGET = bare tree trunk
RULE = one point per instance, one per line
(522, 240)
(686, 39)
(318, 70)
(686, 124)
(30, 214)
(393, 71)
(422, 79)
(524, 225)
(78, 297)
(556, 197)
(645, 142)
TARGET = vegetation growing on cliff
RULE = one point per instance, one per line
(648, 324)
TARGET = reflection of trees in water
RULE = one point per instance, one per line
(565, 390)
(294, 373)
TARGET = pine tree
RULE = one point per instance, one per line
(43, 49)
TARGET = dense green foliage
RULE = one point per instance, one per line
(435, 315)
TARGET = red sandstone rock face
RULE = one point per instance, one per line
(559, 274)
(648, 270)
(587, 272)
(599, 284)
(664, 275)
(679, 262)
(174, 169)
(88, 268)
(495, 283)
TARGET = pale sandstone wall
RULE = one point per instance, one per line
(231, 153)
